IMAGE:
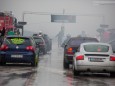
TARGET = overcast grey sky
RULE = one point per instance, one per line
(89, 16)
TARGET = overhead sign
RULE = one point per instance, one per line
(63, 18)
(22, 23)
(19, 26)
(104, 25)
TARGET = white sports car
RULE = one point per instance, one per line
(94, 57)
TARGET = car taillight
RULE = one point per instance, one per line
(112, 58)
(80, 57)
(4, 47)
(30, 48)
(70, 51)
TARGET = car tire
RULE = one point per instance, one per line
(65, 64)
(34, 63)
(112, 74)
(44, 52)
(75, 73)
(3, 62)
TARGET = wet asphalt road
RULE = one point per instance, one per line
(50, 72)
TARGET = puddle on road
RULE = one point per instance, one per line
(88, 79)
(16, 75)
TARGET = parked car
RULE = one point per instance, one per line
(94, 57)
(48, 42)
(18, 49)
(41, 44)
(47, 39)
(71, 47)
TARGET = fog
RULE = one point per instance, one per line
(89, 15)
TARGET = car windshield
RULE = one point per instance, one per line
(96, 48)
(17, 41)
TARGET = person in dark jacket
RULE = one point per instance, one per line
(2, 34)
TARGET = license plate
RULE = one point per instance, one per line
(96, 59)
(17, 56)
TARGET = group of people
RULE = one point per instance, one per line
(60, 36)
(3, 33)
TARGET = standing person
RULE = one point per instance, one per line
(60, 36)
(83, 34)
(2, 35)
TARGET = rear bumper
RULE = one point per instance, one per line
(26, 58)
(95, 68)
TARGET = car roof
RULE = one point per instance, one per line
(18, 36)
(83, 38)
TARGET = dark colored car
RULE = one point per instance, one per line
(41, 44)
(48, 42)
(47, 39)
(18, 49)
(71, 47)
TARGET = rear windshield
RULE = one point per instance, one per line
(38, 40)
(78, 41)
(96, 48)
(18, 41)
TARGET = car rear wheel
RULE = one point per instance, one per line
(2, 63)
(75, 73)
(44, 51)
(65, 64)
(34, 63)
(112, 74)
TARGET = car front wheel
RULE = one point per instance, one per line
(112, 74)
(65, 64)
(3, 62)
(34, 63)
(75, 73)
